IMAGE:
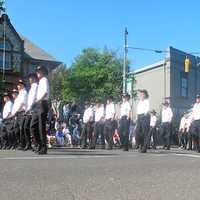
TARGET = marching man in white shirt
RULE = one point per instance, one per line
(31, 102)
(195, 127)
(189, 122)
(124, 122)
(167, 116)
(18, 112)
(87, 126)
(15, 126)
(6, 137)
(109, 127)
(143, 121)
(99, 125)
(153, 133)
(40, 111)
(182, 131)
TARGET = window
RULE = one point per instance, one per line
(7, 45)
(8, 54)
(184, 85)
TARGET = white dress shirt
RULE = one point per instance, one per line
(88, 115)
(125, 109)
(43, 88)
(143, 107)
(182, 124)
(167, 115)
(99, 113)
(32, 95)
(20, 103)
(196, 111)
(189, 122)
(153, 121)
(7, 109)
(110, 111)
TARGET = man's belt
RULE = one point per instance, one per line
(21, 112)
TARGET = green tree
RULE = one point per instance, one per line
(94, 75)
(56, 78)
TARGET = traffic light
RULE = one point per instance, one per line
(187, 65)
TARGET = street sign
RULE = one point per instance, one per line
(129, 86)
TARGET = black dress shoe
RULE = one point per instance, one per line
(20, 148)
(4, 147)
(168, 148)
(43, 151)
(27, 148)
(13, 148)
(9, 147)
(125, 149)
(36, 149)
(137, 147)
(144, 150)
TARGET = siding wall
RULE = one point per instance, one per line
(153, 81)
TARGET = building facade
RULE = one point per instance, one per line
(18, 55)
(167, 80)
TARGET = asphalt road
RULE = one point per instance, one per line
(74, 174)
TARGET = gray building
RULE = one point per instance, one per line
(166, 80)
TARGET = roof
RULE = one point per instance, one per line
(148, 67)
(35, 52)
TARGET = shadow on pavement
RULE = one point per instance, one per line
(79, 152)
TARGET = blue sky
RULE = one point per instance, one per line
(64, 27)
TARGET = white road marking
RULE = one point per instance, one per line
(54, 157)
(131, 155)
(67, 157)
(188, 155)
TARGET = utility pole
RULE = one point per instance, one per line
(165, 79)
(125, 60)
(3, 10)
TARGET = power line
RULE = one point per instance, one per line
(160, 51)
(146, 49)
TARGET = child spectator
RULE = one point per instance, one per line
(67, 136)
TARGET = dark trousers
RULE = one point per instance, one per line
(20, 120)
(124, 124)
(15, 131)
(4, 135)
(183, 138)
(109, 129)
(7, 135)
(195, 133)
(190, 137)
(86, 134)
(38, 124)
(153, 133)
(27, 123)
(98, 130)
(166, 133)
(142, 131)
